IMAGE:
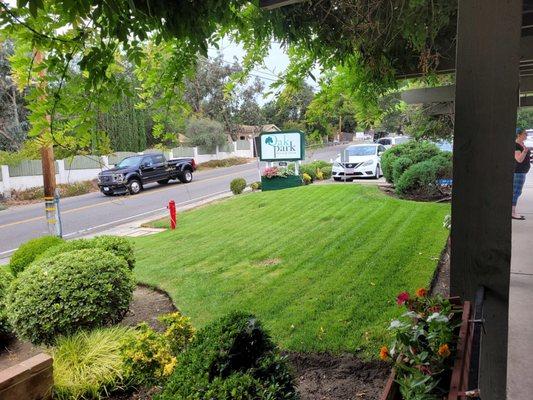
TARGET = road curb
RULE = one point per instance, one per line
(127, 228)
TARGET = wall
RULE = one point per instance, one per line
(28, 174)
(29, 380)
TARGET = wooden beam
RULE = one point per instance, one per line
(271, 4)
(488, 56)
(439, 94)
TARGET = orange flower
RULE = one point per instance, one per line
(421, 292)
(444, 350)
(384, 353)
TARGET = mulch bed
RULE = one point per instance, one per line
(319, 376)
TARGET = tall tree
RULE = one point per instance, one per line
(13, 118)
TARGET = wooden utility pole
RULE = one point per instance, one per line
(486, 101)
(49, 173)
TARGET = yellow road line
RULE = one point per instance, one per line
(25, 221)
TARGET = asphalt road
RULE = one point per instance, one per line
(94, 212)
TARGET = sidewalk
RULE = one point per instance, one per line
(520, 362)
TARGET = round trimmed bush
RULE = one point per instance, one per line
(29, 251)
(5, 280)
(81, 289)
(238, 185)
(232, 358)
(416, 151)
(420, 180)
(119, 246)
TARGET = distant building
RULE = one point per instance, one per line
(244, 132)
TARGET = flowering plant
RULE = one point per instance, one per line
(272, 172)
(423, 345)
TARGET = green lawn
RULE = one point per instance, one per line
(320, 265)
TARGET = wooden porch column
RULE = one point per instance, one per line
(486, 103)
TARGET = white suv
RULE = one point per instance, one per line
(358, 161)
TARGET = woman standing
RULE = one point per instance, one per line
(522, 156)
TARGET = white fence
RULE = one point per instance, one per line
(28, 174)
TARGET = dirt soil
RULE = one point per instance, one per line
(146, 306)
(318, 376)
(440, 283)
(327, 377)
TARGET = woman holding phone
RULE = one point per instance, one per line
(522, 157)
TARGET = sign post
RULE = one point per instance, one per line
(282, 147)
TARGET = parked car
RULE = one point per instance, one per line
(391, 141)
(132, 173)
(360, 160)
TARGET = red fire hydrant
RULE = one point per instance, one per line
(172, 210)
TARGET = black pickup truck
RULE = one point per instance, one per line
(132, 173)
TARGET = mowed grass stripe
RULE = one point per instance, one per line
(320, 265)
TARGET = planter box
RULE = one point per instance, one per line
(461, 365)
(29, 380)
(280, 183)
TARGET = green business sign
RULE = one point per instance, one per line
(282, 146)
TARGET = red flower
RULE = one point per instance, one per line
(402, 298)
(421, 292)
(434, 309)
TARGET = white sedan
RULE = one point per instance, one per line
(358, 161)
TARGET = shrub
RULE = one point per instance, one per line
(119, 246)
(5, 280)
(232, 358)
(255, 186)
(399, 166)
(307, 178)
(238, 185)
(81, 289)
(316, 170)
(226, 162)
(416, 151)
(150, 356)
(88, 364)
(420, 179)
(26, 253)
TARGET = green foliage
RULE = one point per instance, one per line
(30, 250)
(125, 125)
(317, 170)
(399, 165)
(307, 178)
(119, 246)
(80, 289)
(420, 179)
(88, 365)
(415, 151)
(5, 280)
(150, 356)
(255, 186)
(424, 338)
(232, 358)
(524, 118)
(205, 132)
(424, 126)
(65, 190)
(238, 185)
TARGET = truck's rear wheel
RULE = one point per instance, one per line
(185, 176)
(134, 186)
(163, 181)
